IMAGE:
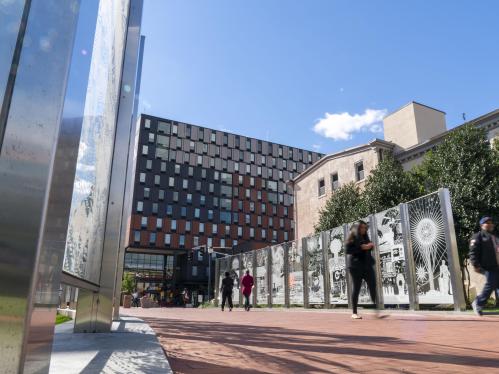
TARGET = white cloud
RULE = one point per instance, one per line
(341, 126)
(376, 128)
(316, 147)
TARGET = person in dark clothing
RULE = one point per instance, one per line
(247, 283)
(484, 256)
(360, 263)
(226, 289)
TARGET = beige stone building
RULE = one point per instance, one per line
(314, 186)
(409, 133)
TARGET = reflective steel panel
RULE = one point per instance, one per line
(87, 222)
(31, 127)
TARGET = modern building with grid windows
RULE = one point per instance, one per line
(196, 186)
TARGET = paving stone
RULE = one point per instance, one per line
(301, 341)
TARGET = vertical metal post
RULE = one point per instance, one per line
(113, 235)
(305, 257)
(452, 251)
(269, 276)
(210, 259)
(254, 277)
(346, 231)
(409, 257)
(241, 271)
(377, 265)
(286, 275)
(325, 235)
(217, 280)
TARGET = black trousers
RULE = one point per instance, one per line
(247, 301)
(358, 274)
(227, 296)
(491, 285)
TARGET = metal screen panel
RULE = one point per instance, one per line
(392, 257)
(234, 273)
(261, 278)
(295, 261)
(247, 262)
(223, 266)
(278, 275)
(428, 240)
(337, 266)
(315, 270)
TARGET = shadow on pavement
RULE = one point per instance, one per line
(302, 351)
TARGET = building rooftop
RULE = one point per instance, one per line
(340, 154)
(477, 121)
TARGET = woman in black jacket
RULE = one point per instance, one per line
(360, 263)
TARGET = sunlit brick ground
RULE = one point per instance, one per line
(211, 341)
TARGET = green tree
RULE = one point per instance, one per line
(387, 186)
(128, 284)
(345, 205)
(468, 166)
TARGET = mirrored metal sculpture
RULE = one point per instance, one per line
(433, 278)
(392, 257)
(337, 267)
(278, 274)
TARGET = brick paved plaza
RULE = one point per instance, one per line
(297, 341)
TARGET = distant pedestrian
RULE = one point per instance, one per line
(135, 299)
(360, 263)
(484, 256)
(186, 296)
(226, 289)
(247, 283)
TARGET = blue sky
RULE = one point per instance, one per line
(273, 69)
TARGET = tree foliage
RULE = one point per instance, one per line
(128, 284)
(466, 165)
(387, 186)
(345, 205)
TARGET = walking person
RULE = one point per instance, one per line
(484, 256)
(135, 299)
(226, 289)
(247, 283)
(360, 263)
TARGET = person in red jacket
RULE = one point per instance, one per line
(247, 283)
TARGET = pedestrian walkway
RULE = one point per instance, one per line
(131, 347)
(209, 341)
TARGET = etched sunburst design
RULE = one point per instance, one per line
(421, 275)
(428, 239)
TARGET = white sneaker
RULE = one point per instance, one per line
(356, 316)
(476, 308)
